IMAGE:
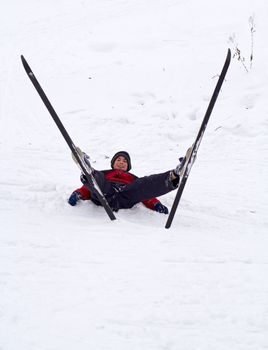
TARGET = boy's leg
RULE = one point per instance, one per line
(104, 185)
(145, 188)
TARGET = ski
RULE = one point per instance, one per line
(90, 178)
(85, 160)
(193, 150)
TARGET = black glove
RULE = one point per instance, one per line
(74, 198)
(160, 208)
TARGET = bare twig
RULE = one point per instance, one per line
(237, 51)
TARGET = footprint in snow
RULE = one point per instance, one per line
(250, 100)
(142, 98)
(103, 47)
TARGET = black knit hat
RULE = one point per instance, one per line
(123, 154)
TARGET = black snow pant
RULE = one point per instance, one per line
(120, 196)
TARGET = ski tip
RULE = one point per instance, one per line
(22, 58)
(229, 54)
(25, 64)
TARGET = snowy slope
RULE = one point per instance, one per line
(138, 76)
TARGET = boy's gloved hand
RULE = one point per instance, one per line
(74, 198)
(160, 208)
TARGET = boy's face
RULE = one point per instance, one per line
(120, 163)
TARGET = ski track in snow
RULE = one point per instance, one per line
(136, 76)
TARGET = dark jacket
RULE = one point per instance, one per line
(119, 177)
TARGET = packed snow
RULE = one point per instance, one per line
(134, 76)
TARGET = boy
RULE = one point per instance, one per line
(123, 189)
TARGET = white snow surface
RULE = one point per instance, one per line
(135, 76)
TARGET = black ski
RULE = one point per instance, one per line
(193, 151)
(69, 141)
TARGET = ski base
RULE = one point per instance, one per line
(91, 184)
(191, 157)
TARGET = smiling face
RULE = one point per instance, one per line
(120, 163)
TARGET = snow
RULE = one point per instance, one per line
(134, 76)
